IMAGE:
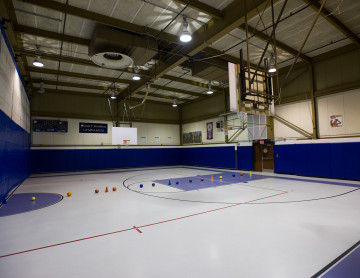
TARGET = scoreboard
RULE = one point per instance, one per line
(50, 126)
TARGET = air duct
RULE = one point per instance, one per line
(117, 49)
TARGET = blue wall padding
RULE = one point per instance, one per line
(94, 159)
(245, 158)
(222, 157)
(328, 160)
(14, 155)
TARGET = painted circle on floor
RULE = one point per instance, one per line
(131, 185)
(22, 202)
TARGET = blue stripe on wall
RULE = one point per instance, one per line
(14, 155)
(95, 159)
(328, 160)
(222, 157)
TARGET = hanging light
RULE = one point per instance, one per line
(38, 63)
(174, 104)
(41, 90)
(185, 34)
(209, 91)
(113, 96)
(272, 67)
(136, 75)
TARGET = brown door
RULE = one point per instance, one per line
(257, 158)
(268, 156)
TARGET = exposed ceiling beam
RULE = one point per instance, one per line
(69, 84)
(85, 62)
(67, 59)
(57, 6)
(334, 21)
(234, 16)
(77, 93)
(93, 16)
(175, 90)
(280, 45)
(188, 81)
(79, 75)
(51, 35)
(161, 96)
(103, 88)
(202, 7)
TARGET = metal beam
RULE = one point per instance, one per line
(334, 21)
(93, 16)
(50, 4)
(234, 16)
(313, 102)
(280, 45)
(103, 88)
(85, 62)
(291, 125)
(51, 35)
(202, 7)
(69, 84)
(161, 96)
(79, 75)
(67, 59)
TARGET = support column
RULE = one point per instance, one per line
(313, 102)
(180, 125)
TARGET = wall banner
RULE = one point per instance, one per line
(210, 130)
(93, 128)
(336, 120)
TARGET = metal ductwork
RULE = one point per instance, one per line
(212, 69)
(116, 49)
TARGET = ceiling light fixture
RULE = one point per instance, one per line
(174, 104)
(272, 67)
(209, 91)
(185, 34)
(38, 63)
(113, 96)
(136, 76)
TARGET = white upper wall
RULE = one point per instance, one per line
(298, 113)
(168, 134)
(13, 99)
(346, 104)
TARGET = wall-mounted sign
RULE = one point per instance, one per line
(192, 137)
(336, 120)
(210, 130)
(50, 126)
(93, 128)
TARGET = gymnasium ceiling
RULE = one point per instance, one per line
(217, 27)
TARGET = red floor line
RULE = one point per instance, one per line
(137, 227)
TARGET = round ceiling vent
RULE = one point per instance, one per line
(112, 60)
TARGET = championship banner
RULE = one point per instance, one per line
(209, 128)
(93, 128)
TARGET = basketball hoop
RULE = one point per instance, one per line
(126, 142)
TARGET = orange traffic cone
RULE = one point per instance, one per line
(107, 189)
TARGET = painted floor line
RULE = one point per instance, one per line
(137, 227)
